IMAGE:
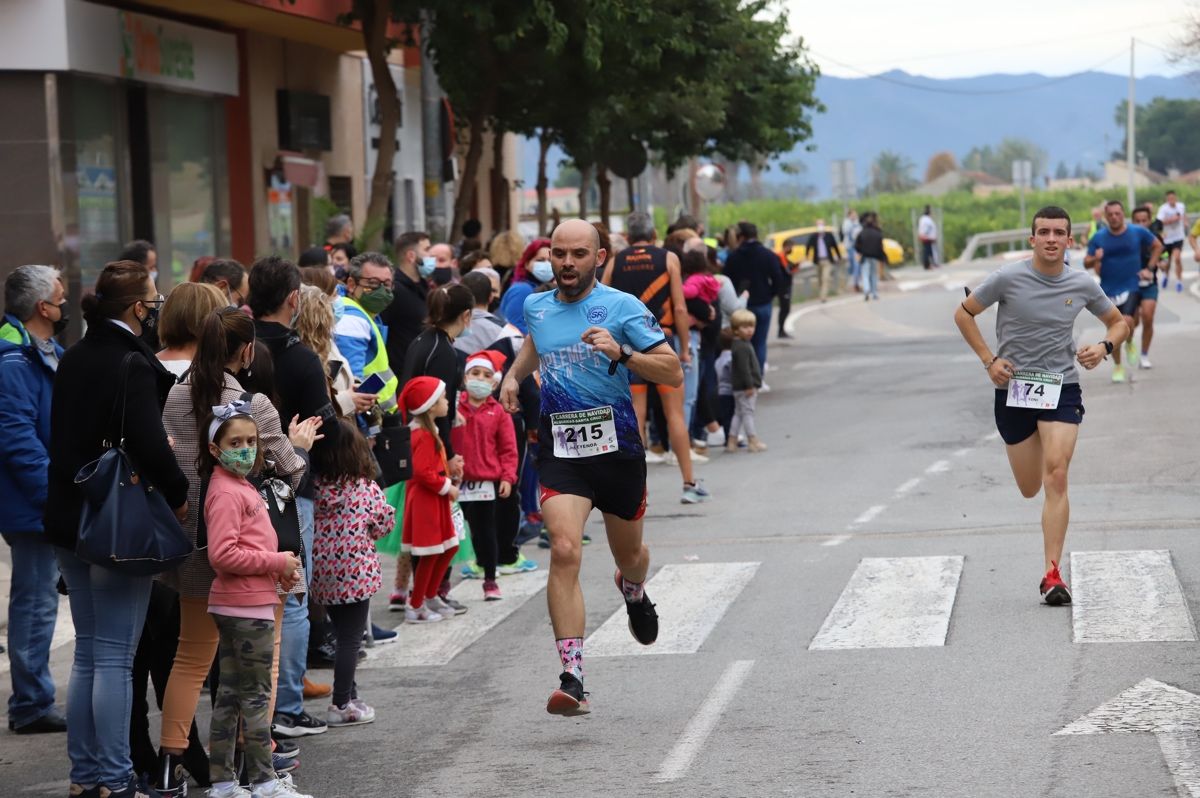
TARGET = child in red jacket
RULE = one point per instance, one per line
(487, 441)
(428, 531)
(244, 552)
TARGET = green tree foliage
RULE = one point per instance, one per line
(1166, 133)
(998, 162)
(892, 172)
(1061, 172)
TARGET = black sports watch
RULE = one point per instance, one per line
(1108, 345)
(626, 353)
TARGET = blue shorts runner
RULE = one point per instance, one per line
(1018, 423)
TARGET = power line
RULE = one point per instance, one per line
(966, 92)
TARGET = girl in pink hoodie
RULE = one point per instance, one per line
(244, 552)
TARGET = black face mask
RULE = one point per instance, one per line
(151, 320)
(494, 305)
(63, 319)
(441, 276)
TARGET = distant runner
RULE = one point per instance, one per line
(1173, 215)
(1147, 287)
(587, 337)
(1038, 403)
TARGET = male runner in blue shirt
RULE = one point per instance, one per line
(585, 338)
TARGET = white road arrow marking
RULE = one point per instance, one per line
(1170, 714)
(1128, 597)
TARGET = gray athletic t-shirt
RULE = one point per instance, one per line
(1035, 319)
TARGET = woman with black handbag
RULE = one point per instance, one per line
(108, 394)
(225, 351)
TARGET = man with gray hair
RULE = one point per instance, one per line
(34, 312)
(358, 335)
(338, 230)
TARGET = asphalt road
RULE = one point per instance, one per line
(884, 513)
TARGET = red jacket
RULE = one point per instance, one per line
(428, 527)
(487, 442)
(242, 545)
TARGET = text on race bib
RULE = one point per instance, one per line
(584, 433)
(482, 491)
(1034, 390)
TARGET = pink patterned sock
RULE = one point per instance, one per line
(570, 651)
(632, 590)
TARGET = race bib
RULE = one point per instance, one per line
(584, 433)
(482, 491)
(459, 520)
(1034, 390)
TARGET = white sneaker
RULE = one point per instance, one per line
(351, 715)
(276, 788)
(717, 438)
(699, 459)
(422, 615)
(669, 459)
(229, 791)
(765, 388)
(363, 707)
(653, 458)
(1145, 363)
(698, 443)
(443, 609)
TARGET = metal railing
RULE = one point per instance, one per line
(1015, 239)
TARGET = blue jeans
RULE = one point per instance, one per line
(691, 377)
(870, 277)
(109, 609)
(852, 265)
(32, 612)
(763, 326)
(293, 643)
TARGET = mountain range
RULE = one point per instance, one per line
(1071, 117)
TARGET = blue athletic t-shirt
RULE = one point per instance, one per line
(574, 377)
(1122, 257)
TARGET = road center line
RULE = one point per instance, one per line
(836, 540)
(963, 452)
(940, 467)
(868, 515)
(907, 487)
(696, 733)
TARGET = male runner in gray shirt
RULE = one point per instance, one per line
(1035, 320)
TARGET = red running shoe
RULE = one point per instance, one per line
(1053, 589)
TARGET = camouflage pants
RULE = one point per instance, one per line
(247, 647)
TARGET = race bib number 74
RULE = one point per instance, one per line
(584, 433)
(1034, 390)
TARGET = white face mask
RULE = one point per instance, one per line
(542, 271)
(480, 389)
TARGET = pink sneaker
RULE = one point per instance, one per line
(491, 590)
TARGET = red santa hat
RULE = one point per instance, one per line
(489, 359)
(420, 394)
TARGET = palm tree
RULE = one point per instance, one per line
(892, 173)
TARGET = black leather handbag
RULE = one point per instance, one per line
(126, 524)
(393, 453)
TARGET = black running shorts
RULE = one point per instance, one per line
(614, 485)
(1174, 245)
(1018, 423)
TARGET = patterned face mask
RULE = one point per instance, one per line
(238, 461)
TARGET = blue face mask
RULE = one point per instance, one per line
(339, 309)
(722, 256)
(427, 267)
(542, 271)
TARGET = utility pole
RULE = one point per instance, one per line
(431, 132)
(1130, 149)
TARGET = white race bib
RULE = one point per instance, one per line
(1034, 390)
(584, 433)
(483, 491)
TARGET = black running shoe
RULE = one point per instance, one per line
(287, 725)
(569, 699)
(643, 620)
(171, 777)
(286, 749)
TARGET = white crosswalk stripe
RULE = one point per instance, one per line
(690, 598)
(1128, 597)
(438, 643)
(893, 602)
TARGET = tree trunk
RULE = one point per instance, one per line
(500, 195)
(375, 15)
(585, 183)
(756, 189)
(543, 182)
(605, 184)
(629, 192)
(466, 185)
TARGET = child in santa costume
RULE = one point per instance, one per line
(488, 443)
(428, 532)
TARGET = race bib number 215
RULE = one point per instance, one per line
(584, 433)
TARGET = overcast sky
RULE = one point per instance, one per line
(953, 38)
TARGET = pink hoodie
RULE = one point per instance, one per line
(242, 545)
(701, 285)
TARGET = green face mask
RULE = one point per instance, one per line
(238, 461)
(375, 301)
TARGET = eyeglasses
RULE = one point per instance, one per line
(371, 283)
(154, 303)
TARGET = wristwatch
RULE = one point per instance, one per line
(1108, 345)
(626, 353)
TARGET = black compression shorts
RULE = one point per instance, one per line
(614, 485)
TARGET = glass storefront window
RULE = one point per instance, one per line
(187, 135)
(96, 110)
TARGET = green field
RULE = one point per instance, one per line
(963, 214)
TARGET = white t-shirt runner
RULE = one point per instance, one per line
(1173, 231)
